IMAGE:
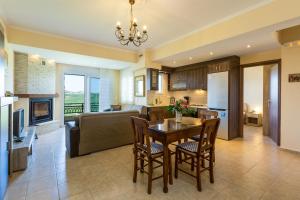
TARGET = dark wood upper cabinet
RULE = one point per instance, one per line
(195, 78)
(152, 79)
(219, 67)
(178, 81)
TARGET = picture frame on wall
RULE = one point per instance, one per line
(294, 78)
(139, 86)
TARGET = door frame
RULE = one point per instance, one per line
(267, 62)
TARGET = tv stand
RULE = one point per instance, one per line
(22, 149)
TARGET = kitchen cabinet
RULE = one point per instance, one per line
(152, 79)
(188, 79)
(178, 80)
(222, 66)
(197, 78)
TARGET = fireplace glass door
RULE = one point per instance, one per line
(41, 110)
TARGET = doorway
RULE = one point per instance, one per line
(261, 100)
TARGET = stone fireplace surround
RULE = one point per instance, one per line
(35, 79)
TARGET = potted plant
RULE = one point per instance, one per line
(179, 107)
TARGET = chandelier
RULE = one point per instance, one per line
(134, 36)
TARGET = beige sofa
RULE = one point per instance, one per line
(93, 132)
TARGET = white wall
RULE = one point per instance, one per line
(290, 99)
(253, 88)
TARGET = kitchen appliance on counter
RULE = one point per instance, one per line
(188, 99)
(217, 98)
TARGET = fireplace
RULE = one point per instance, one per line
(40, 110)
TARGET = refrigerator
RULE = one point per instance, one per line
(217, 100)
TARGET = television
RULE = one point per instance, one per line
(18, 123)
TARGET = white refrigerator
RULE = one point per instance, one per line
(217, 100)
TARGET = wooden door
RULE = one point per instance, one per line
(274, 105)
(4, 113)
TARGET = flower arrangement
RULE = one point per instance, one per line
(180, 107)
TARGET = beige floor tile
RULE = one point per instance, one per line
(39, 184)
(247, 168)
(72, 188)
(48, 194)
(82, 196)
(17, 191)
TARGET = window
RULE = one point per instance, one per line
(74, 94)
(94, 94)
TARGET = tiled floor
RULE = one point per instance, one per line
(249, 168)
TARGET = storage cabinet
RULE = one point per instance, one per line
(152, 79)
(189, 79)
(178, 81)
(218, 67)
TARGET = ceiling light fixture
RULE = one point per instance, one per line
(135, 36)
(211, 53)
(248, 46)
(191, 58)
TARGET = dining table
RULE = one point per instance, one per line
(169, 131)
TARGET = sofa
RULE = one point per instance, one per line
(92, 132)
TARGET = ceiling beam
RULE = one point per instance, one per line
(57, 43)
(267, 15)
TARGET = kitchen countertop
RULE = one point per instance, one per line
(199, 106)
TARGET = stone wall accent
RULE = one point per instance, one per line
(34, 75)
(21, 73)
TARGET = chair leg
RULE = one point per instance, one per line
(211, 166)
(135, 166)
(170, 169)
(142, 163)
(150, 170)
(198, 176)
(176, 163)
(203, 162)
(193, 164)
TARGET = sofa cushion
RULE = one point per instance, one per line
(100, 131)
(128, 107)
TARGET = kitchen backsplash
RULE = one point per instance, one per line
(163, 97)
(196, 97)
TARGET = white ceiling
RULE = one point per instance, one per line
(259, 40)
(72, 59)
(94, 20)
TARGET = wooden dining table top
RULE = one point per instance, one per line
(170, 125)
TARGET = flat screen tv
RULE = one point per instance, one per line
(18, 123)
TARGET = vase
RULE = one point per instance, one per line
(178, 116)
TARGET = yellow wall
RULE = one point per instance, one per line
(261, 56)
(290, 98)
(52, 42)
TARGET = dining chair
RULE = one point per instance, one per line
(156, 116)
(147, 152)
(199, 151)
(205, 114)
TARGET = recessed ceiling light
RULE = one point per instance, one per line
(191, 58)
(174, 62)
(211, 53)
(248, 46)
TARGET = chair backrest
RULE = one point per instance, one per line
(157, 115)
(141, 136)
(207, 114)
(208, 134)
